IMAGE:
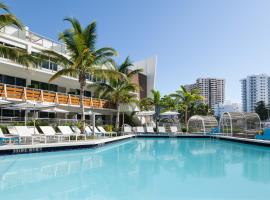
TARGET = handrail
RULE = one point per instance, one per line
(24, 93)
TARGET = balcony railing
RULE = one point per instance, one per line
(18, 93)
(34, 38)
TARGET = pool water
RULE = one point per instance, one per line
(141, 169)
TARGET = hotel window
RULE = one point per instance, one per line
(43, 86)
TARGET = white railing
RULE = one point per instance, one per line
(34, 38)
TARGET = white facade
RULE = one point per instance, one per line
(255, 88)
(149, 69)
(227, 106)
(33, 42)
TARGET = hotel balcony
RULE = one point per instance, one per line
(24, 37)
(20, 94)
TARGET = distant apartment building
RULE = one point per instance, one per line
(227, 106)
(255, 88)
(212, 89)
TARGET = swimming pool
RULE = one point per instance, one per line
(153, 168)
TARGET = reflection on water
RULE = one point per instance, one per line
(140, 168)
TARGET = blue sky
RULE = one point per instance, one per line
(192, 38)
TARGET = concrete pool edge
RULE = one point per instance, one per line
(38, 148)
(49, 147)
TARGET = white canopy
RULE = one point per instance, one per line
(29, 105)
(145, 113)
(55, 110)
(169, 113)
(90, 112)
(3, 102)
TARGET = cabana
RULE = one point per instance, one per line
(201, 124)
(240, 124)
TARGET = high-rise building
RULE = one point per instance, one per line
(255, 88)
(212, 89)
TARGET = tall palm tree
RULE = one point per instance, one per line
(185, 98)
(84, 58)
(119, 90)
(15, 54)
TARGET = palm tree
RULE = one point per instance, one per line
(8, 18)
(186, 98)
(84, 58)
(119, 90)
(15, 54)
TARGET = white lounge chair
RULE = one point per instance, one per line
(34, 132)
(49, 132)
(139, 129)
(9, 138)
(161, 129)
(97, 132)
(23, 132)
(174, 129)
(66, 130)
(102, 130)
(127, 129)
(12, 130)
(76, 129)
(88, 130)
(150, 129)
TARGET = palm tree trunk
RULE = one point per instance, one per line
(117, 115)
(186, 115)
(82, 85)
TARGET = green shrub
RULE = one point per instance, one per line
(108, 128)
(184, 129)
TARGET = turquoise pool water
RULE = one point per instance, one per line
(141, 169)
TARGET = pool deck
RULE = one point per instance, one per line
(42, 147)
(243, 140)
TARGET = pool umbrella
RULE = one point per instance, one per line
(2, 103)
(29, 105)
(55, 110)
(145, 113)
(170, 113)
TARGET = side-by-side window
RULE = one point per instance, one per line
(11, 80)
(43, 86)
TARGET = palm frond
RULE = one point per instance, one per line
(62, 72)
(134, 72)
(10, 19)
(17, 55)
(75, 24)
(55, 57)
(4, 7)
(90, 36)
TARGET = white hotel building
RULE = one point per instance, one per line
(19, 84)
(255, 88)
